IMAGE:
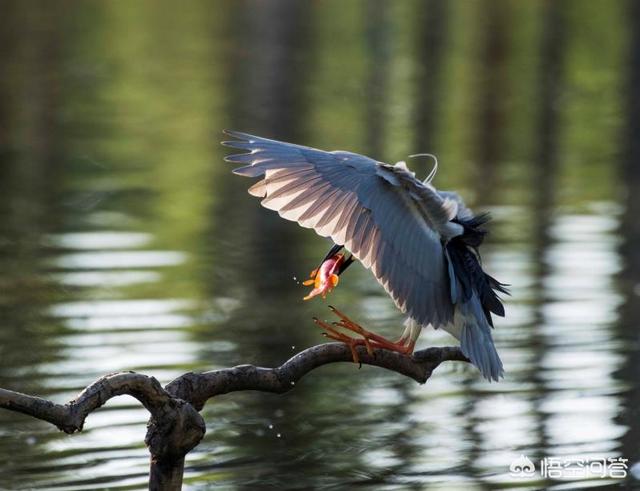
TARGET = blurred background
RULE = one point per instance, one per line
(127, 244)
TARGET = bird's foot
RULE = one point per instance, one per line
(401, 346)
(369, 339)
(332, 333)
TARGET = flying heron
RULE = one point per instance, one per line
(421, 244)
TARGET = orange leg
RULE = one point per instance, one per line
(400, 346)
(332, 333)
(369, 339)
(402, 340)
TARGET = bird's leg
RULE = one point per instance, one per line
(376, 340)
(402, 340)
(369, 339)
(332, 333)
(406, 336)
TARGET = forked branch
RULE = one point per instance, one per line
(176, 427)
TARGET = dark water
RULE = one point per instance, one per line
(126, 243)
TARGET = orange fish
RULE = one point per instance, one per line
(325, 278)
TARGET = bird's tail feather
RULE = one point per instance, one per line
(477, 344)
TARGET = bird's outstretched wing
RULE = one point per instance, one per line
(390, 221)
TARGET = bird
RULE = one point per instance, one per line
(421, 244)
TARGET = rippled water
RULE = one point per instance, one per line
(126, 243)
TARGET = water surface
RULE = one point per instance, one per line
(127, 244)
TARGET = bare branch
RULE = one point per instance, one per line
(35, 406)
(197, 388)
(70, 417)
(176, 427)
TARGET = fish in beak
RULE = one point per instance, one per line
(325, 278)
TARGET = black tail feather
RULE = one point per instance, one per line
(496, 285)
(464, 256)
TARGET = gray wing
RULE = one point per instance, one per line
(373, 209)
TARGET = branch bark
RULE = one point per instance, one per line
(176, 427)
(197, 388)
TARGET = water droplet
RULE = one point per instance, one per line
(295, 279)
(278, 435)
(293, 347)
(293, 383)
(271, 427)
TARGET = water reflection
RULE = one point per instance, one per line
(126, 243)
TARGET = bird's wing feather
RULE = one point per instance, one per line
(462, 210)
(388, 222)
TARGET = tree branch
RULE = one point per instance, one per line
(176, 427)
(70, 417)
(197, 388)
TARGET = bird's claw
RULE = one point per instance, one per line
(369, 339)
(353, 343)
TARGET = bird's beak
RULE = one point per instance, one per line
(345, 264)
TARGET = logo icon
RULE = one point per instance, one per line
(522, 467)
